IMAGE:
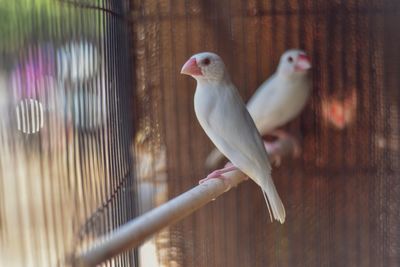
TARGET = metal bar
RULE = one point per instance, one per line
(133, 233)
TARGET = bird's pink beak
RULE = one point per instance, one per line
(303, 63)
(191, 68)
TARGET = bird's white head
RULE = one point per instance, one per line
(295, 62)
(205, 66)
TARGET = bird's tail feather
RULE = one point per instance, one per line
(213, 159)
(274, 203)
(266, 201)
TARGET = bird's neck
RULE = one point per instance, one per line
(213, 83)
(284, 76)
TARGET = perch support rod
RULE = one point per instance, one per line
(138, 230)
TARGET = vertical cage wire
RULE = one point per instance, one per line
(66, 105)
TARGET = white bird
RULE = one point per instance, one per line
(225, 119)
(279, 99)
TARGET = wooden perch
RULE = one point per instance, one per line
(135, 232)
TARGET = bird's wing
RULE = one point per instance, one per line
(265, 89)
(262, 105)
(277, 101)
(233, 131)
(260, 109)
(235, 134)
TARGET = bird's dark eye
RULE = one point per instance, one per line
(206, 61)
(290, 59)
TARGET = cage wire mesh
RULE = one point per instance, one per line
(65, 86)
(341, 196)
(66, 126)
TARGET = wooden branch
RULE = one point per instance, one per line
(135, 232)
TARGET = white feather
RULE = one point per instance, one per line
(276, 102)
(225, 119)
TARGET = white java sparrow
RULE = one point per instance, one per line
(279, 99)
(225, 119)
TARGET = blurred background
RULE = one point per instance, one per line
(98, 126)
(66, 93)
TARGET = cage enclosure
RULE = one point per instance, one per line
(98, 127)
(66, 125)
(342, 194)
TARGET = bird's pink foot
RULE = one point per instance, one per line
(229, 164)
(218, 174)
(223, 178)
(209, 178)
(272, 147)
(285, 144)
(274, 152)
(296, 148)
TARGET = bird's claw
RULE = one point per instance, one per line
(223, 178)
(276, 150)
(218, 174)
(215, 174)
(273, 150)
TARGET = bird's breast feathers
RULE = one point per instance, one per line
(205, 101)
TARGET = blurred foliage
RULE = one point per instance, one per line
(34, 21)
